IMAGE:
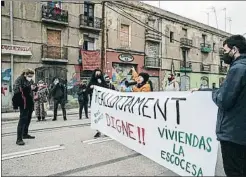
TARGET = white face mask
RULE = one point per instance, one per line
(28, 78)
(141, 79)
(99, 81)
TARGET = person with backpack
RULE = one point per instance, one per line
(23, 99)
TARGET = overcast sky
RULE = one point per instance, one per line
(194, 10)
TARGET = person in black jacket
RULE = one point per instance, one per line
(57, 91)
(83, 99)
(109, 84)
(97, 79)
(23, 99)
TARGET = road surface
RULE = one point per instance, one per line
(67, 148)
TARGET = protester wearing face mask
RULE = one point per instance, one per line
(23, 99)
(142, 82)
(231, 101)
(40, 98)
(97, 79)
(172, 84)
(57, 91)
(83, 99)
(109, 84)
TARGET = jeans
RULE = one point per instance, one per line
(234, 158)
(24, 122)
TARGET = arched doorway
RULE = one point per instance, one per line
(47, 73)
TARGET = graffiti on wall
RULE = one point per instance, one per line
(73, 83)
(6, 86)
(121, 72)
(204, 82)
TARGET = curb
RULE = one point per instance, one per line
(4, 119)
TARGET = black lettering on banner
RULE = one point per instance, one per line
(116, 105)
(96, 95)
(164, 114)
(104, 100)
(144, 106)
(113, 101)
(177, 107)
(140, 102)
(121, 107)
(129, 105)
(109, 99)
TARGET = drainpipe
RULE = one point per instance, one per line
(160, 23)
(12, 42)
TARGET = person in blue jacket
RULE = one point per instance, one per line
(231, 101)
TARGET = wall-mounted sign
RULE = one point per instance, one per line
(126, 57)
(16, 50)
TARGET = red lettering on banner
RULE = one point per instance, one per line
(91, 60)
(126, 128)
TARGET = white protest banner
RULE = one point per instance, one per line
(174, 129)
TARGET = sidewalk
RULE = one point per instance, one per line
(11, 116)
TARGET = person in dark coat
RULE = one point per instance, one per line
(109, 84)
(83, 99)
(97, 79)
(230, 99)
(57, 91)
(23, 99)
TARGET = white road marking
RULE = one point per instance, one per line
(31, 152)
(96, 139)
(96, 142)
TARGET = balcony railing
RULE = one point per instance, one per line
(205, 68)
(54, 53)
(93, 23)
(223, 69)
(54, 15)
(206, 48)
(185, 66)
(152, 36)
(186, 43)
(152, 62)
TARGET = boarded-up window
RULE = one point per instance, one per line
(124, 35)
(153, 49)
(54, 44)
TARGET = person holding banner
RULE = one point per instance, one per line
(97, 79)
(230, 99)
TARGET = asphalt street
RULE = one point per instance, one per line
(67, 148)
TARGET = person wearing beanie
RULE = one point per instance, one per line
(142, 82)
(172, 84)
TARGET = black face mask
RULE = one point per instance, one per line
(227, 58)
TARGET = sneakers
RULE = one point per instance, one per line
(20, 142)
(97, 135)
(28, 137)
